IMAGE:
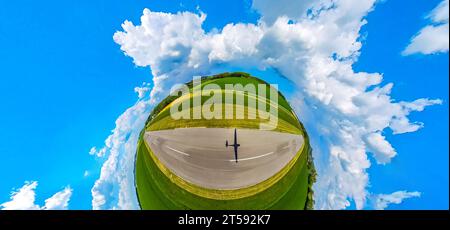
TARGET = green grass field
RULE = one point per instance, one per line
(160, 118)
(159, 189)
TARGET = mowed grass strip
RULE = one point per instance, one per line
(286, 120)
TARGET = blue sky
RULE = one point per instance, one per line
(422, 162)
(65, 81)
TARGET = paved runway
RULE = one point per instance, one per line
(199, 155)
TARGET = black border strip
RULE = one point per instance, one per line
(278, 218)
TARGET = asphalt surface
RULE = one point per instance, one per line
(199, 155)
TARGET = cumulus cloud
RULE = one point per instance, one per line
(315, 46)
(59, 201)
(98, 153)
(433, 38)
(288, 8)
(382, 201)
(141, 91)
(382, 149)
(24, 199)
(115, 187)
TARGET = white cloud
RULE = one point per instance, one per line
(86, 173)
(141, 91)
(382, 149)
(24, 199)
(433, 38)
(59, 201)
(382, 201)
(93, 151)
(345, 112)
(291, 9)
(115, 187)
(98, 153)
